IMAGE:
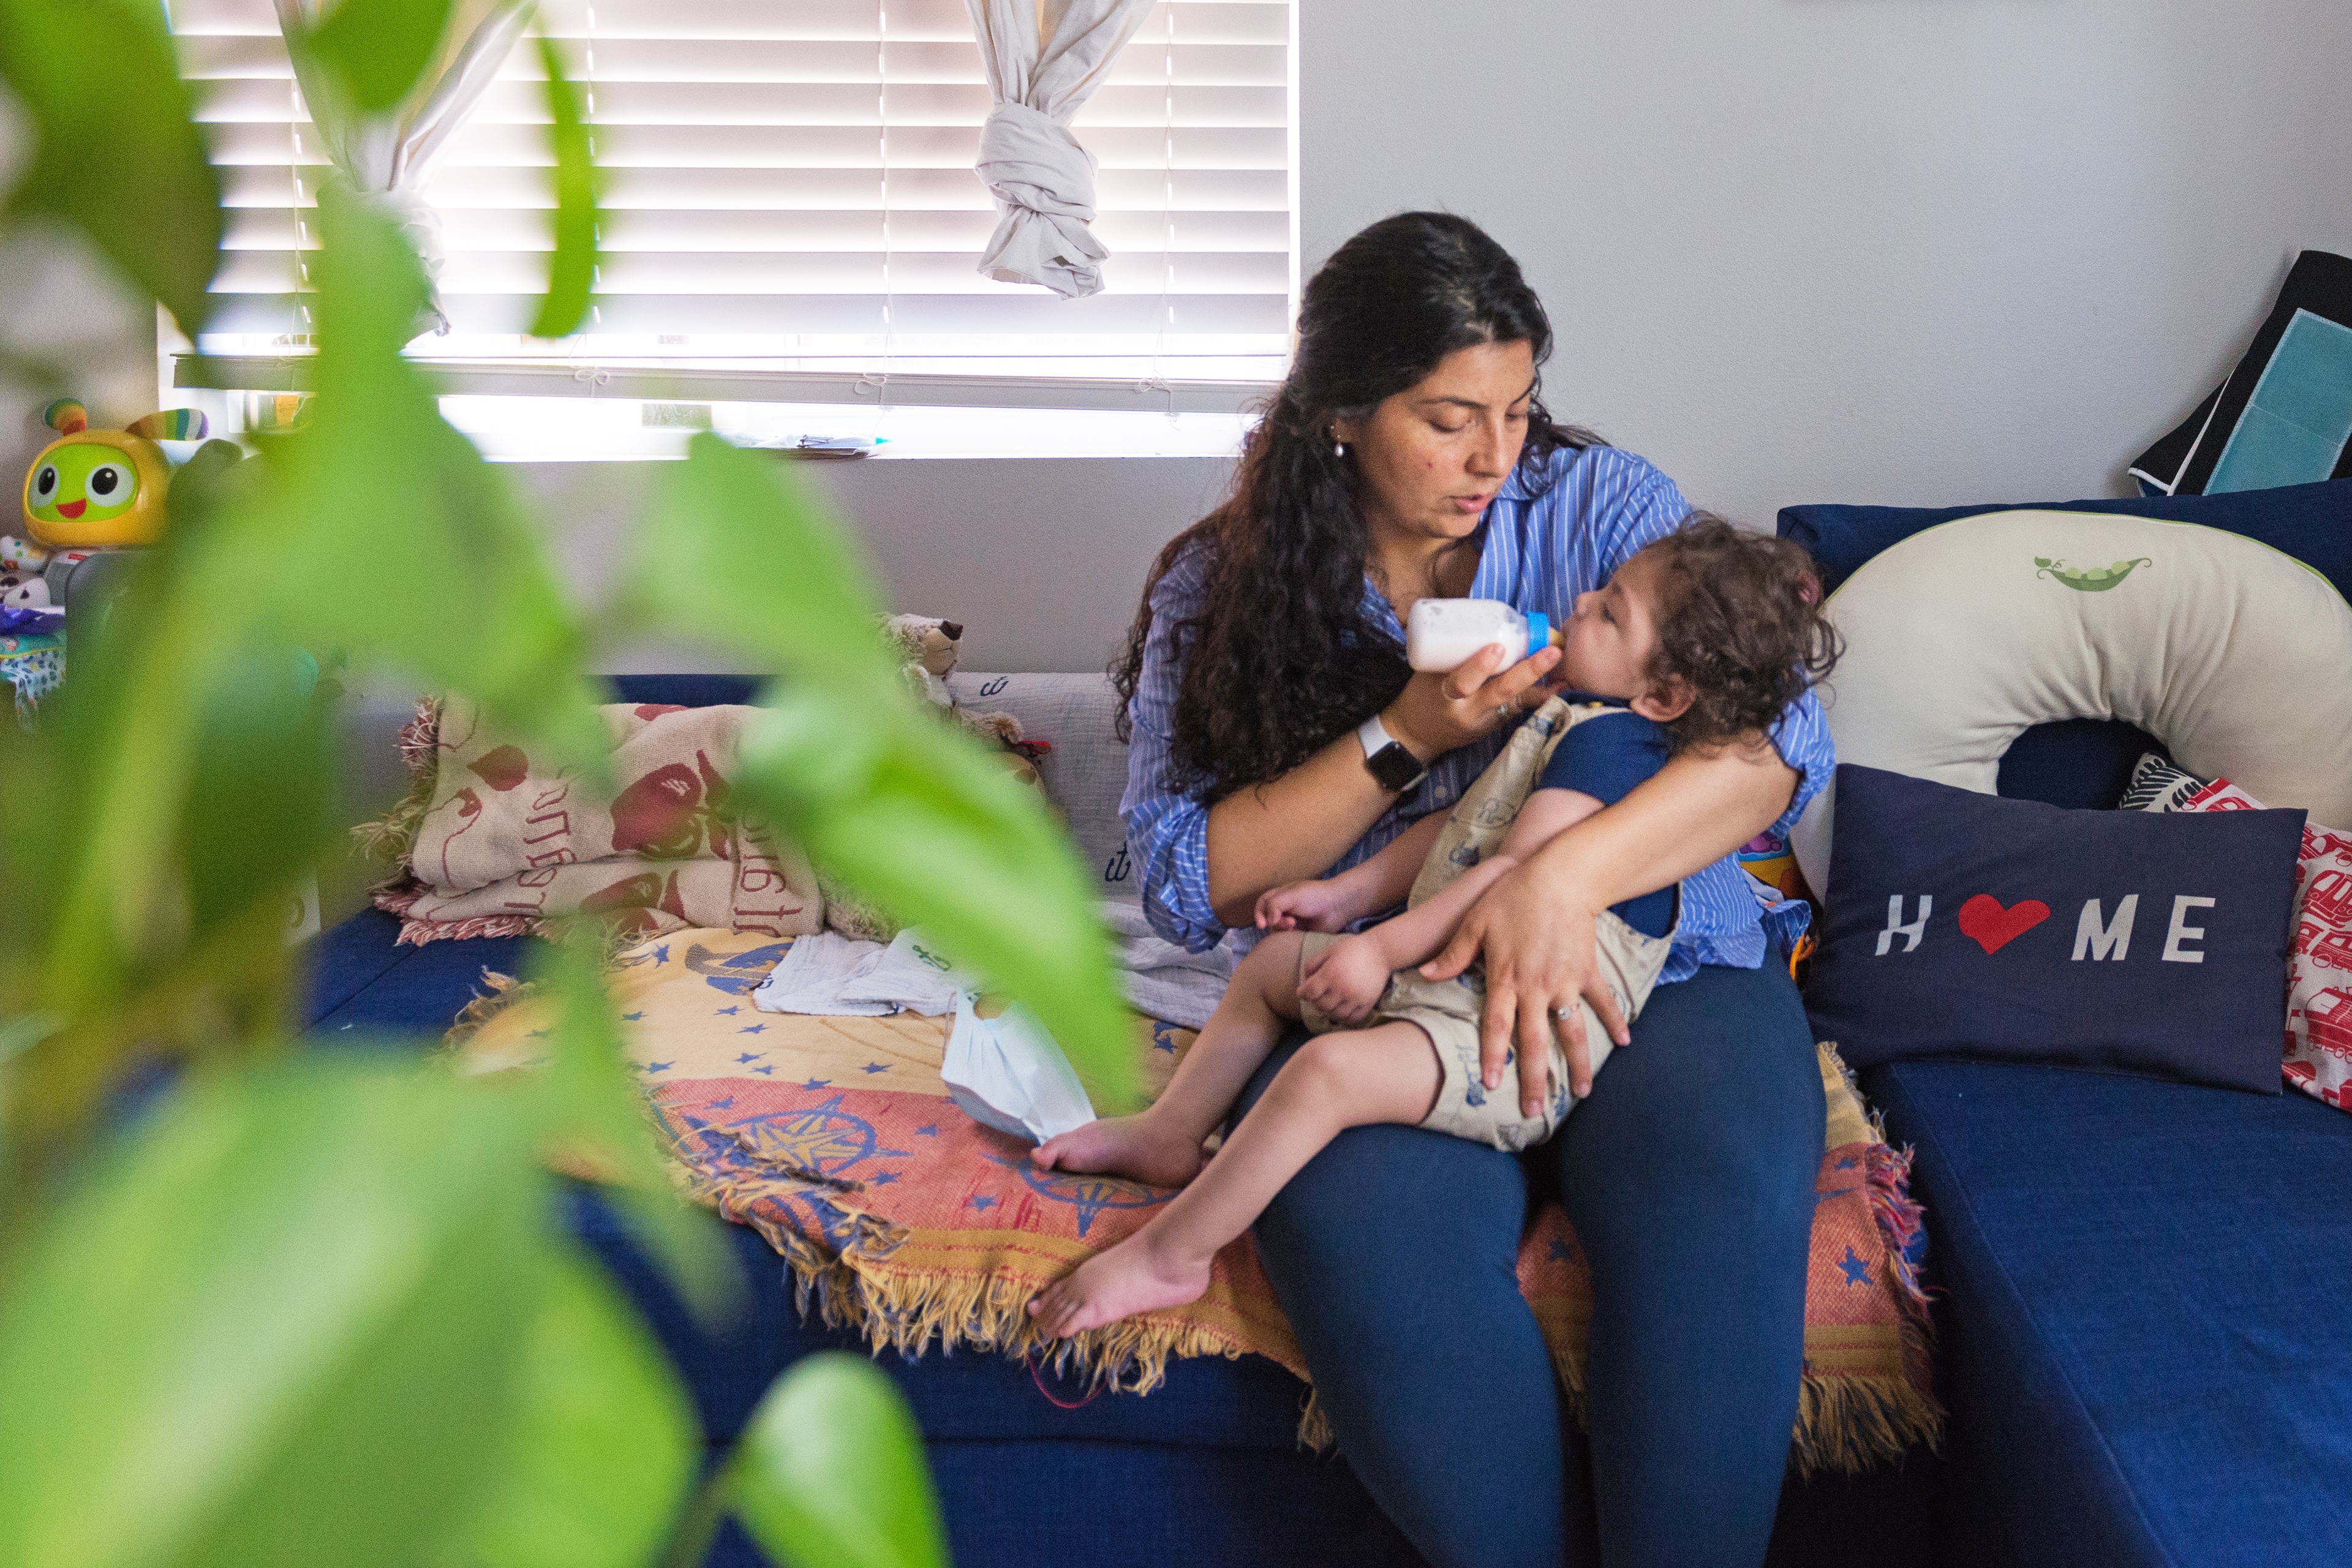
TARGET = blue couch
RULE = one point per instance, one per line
(2144, 1344)
(2141, 1345)
(1206, 1468)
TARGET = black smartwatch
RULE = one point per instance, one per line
(1394, 768)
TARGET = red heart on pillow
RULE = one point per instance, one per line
(1994, 927)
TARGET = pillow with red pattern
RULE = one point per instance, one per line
(2319, 968)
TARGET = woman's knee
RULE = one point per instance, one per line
(1719, 1094)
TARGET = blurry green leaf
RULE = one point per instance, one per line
(572, 272)
(116, 153)
(737, 552)
(379, 47)
(604, 1445)
(260, 801)
(919, 817)
(592, 1094)
(283, 1324)
(881, 793)
(117, 745)
(103, 801)
(830, 1472)
(384, 531)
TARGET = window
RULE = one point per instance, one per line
(791, 212)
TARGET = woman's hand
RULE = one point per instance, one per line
(1434, 712)
(1320, 905)
(1535, 928)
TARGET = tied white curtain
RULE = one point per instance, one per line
(1044, 58)
(386, 156)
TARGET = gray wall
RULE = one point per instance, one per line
(1922, 251)
(1042, 559)
(1912, 251)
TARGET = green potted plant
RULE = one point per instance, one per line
(267, 1304)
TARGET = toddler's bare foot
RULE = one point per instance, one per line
(1127, 1279)
(1131, 1146)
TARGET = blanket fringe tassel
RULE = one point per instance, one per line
(851, 1289)
(391, 837)
(504, 991)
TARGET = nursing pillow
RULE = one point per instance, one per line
(1962, 637)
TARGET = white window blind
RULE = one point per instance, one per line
(790, 194)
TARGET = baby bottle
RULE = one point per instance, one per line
(1445, 634)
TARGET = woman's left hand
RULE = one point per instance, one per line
(1535, 928)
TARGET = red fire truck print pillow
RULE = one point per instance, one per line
(2319, 968)
(1961, 924)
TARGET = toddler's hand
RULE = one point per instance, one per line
(1346, 979)
(1305, 906)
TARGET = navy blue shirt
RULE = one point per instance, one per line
(1605, 757)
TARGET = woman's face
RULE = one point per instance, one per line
(1431, 458)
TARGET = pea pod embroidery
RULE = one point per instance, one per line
(2088, 580)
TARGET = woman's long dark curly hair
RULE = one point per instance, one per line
(1281, 657)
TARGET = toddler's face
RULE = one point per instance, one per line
(1612, 635)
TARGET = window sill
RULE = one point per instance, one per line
(585, 430)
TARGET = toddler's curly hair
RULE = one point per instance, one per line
(1741, 623)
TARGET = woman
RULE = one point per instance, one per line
(1278, 734)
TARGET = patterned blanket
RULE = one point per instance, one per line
(835, 1140)
(494, 843)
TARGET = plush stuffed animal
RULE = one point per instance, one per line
(23, 591)
(928, 648)
(927, 653)
(102, 490)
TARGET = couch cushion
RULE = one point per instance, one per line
(2311, 522)
(1085, 772)
(1961, 637)
(360, 981)
(2143, 1329)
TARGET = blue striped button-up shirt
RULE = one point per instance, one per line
(1545, 539)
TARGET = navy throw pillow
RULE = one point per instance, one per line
(2311, 522)
(1966, 925)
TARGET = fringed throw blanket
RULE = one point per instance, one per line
(492, 844)
(901, 1217)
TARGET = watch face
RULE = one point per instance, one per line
(1394, 767)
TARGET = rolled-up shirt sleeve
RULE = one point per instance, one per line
(1167, 827)
(1801, 734)
(1653, 509)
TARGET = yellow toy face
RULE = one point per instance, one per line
(96, 490)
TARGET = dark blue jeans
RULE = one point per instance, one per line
(1689, 1176)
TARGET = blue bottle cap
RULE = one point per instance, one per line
(1539, 631)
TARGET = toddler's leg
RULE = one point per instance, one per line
(1350, 1079)
(1161, 1145)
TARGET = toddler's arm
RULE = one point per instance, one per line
(1417, 935)
(1374, 884)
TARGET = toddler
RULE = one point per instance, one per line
(1699, 639)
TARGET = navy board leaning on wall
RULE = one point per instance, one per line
(1279, 735)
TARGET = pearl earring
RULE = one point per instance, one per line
(1338, 448)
